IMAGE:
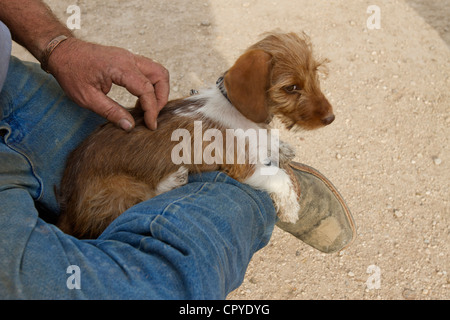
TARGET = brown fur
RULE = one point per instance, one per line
(293, 64)
(113, 170)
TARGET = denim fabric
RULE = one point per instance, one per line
(5, 52)
(194, 242)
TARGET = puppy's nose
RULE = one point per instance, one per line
(328, 119)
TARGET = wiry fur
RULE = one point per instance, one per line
(295, 66)
(113, 170)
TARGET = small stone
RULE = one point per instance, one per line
(338, 156)
(351, 274)
(437, 161)
(205, 23)
(409, 294)
(398, 213)
(253, 280)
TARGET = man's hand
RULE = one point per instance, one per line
(87, 71)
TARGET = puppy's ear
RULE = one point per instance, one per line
(247, 83)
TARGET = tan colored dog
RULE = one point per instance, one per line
(112, 170)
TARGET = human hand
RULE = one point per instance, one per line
(86, 72)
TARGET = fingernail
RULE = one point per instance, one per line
(125, 125)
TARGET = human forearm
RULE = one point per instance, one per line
(87, 71)
(32, 24)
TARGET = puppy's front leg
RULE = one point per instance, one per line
(173, 180)
(281, 189)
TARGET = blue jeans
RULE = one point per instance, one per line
(194, 242)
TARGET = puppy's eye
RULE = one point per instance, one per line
(291, 89)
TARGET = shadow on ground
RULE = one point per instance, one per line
(436, 13)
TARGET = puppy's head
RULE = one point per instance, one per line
(278, 76)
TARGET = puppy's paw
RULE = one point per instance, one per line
(181, 176)
(173, 180)
(287, 153)
(287, 206)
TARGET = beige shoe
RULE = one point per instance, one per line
(325, 222)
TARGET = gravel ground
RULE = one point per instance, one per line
(387, 151)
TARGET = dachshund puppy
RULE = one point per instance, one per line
(224, 128)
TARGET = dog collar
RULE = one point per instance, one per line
(221, 86)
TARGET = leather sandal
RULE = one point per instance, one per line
(325, 222)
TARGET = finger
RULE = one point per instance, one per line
(140, 86)
(159, 77)
(111, 110)
(162, 90)
(161, 86)
(151, 110)
(151, 118)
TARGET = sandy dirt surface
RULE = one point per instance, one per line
(387, 151)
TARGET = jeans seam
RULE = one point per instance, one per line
(8, 107)
(188, 196)
(40, 191)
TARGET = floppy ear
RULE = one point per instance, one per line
(247, 83)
